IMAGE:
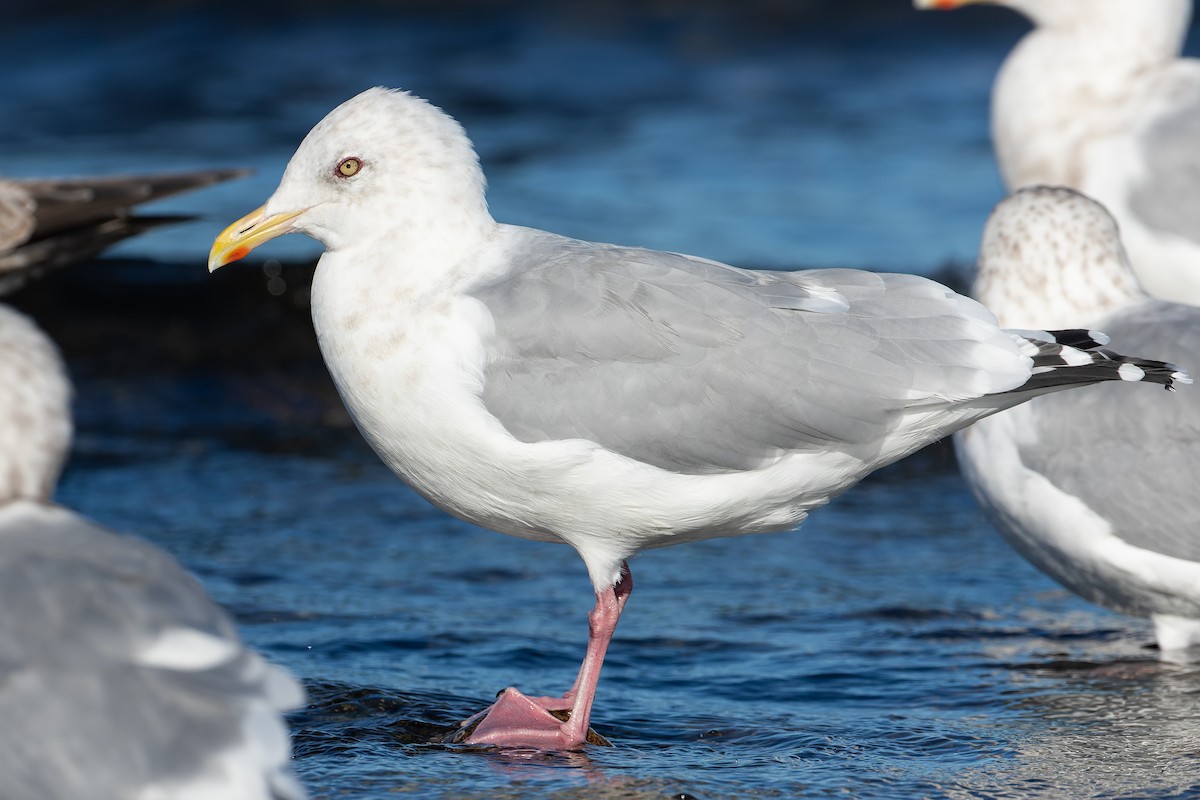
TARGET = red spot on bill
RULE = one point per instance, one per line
(236, 254)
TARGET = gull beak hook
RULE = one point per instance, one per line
(247, 233)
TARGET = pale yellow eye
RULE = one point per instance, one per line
(349, 167)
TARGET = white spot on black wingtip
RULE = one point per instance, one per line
(1130, 372)
(1099, 337)
(1075, 358)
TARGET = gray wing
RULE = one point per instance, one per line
(1167, 198)
(47, 223)
(91, 709)
(1132, 456)
(698, 367)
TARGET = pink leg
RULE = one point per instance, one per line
(516, 720)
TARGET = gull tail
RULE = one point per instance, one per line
(1062, 359)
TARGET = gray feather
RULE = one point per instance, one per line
(698, 367)
(1104, 444)
(83, 716)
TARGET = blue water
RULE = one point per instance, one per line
(854, 139)
(894, 648)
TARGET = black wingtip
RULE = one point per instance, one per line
(1077, 356)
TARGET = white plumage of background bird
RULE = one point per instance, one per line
(1097, 98)
(1096, 489)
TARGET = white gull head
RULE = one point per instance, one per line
(385, 167)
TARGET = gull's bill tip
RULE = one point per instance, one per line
(941, 5)
(247, 233)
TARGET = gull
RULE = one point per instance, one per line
(1097, 98)
(614, 398)
(52, 222)
(119, 677)
(1095, 489)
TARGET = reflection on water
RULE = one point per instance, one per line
(1113, 728)
(1120, 727)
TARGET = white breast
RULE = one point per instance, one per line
(409, 371)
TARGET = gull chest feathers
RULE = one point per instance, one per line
(408, 360)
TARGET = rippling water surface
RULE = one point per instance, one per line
(894, 648)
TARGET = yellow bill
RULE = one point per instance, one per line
(247, 233)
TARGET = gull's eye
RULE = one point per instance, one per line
(349, 167)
